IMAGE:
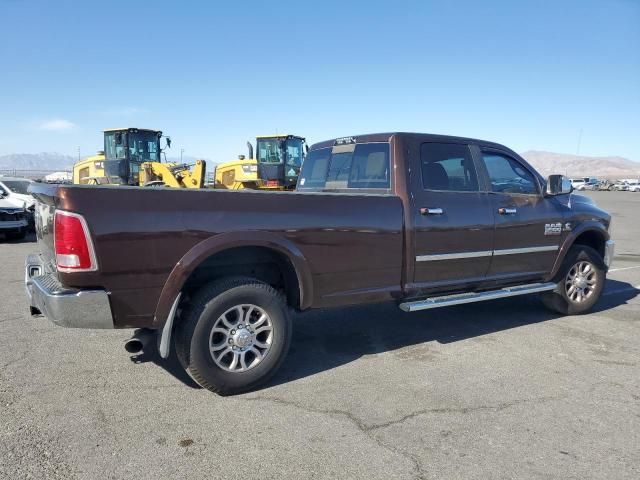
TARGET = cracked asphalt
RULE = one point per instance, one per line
(499, 389)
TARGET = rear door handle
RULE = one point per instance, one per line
(507, 211)
(431, 211)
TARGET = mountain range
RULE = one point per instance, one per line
(55, 161)
(582, 166)
(545, 162)
(36, 161)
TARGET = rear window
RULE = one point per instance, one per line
(362, 166)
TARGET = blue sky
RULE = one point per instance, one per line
(529, 74)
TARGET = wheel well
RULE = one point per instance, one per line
(593, 239)
(263, 263)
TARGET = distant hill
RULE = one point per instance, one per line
(581, 166)
(36, 161)
(57, 161)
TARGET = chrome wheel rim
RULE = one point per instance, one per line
(581, 282)
(241, 338)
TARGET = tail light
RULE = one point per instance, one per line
(73, 246)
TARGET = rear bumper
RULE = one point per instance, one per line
(13, 225)
(64, 306)
(609, 248)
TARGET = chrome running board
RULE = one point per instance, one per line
(460, 298)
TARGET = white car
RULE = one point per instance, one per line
(634, 186)
(13, 219)
(577, 183)
(620, 186)
(14, 190)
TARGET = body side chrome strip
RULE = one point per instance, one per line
(513, 251)
(485, 253)
(453, 256)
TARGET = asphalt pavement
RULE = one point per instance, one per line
(501, 389)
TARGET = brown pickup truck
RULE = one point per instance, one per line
(422, 220)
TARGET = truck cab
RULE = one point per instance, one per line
(476, 214)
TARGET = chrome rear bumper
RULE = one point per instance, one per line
(67, 307)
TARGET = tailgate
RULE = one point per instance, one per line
(46, 196)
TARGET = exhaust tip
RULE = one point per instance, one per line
(133, 345)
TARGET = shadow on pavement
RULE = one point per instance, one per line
(171, 364)
(326, 339)
(323, 340)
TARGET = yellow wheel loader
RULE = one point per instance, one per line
(131, 156)
(276, 165)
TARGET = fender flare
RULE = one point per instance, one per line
(225, 241)
(590, 225)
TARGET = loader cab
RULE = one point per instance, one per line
(279, 160)
(125, 149)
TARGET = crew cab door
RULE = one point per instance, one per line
(529, 227)
(453, 219)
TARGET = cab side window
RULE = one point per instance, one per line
(507, 175)
(362, 166)
(370, 166)
(448, 167)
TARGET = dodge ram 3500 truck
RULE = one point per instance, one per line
(422, 220)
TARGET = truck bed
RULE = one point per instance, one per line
(352, 243)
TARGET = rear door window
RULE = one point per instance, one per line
(361, 166)
(448, 167)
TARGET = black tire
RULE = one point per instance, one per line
(559, 299)
(206, 307)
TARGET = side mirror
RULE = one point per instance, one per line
(168, 139)
(558, 185)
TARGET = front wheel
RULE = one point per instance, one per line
(234, 335)
(580, 284)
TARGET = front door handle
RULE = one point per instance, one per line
(431, 211)
(507, 211)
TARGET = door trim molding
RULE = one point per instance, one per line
(486, 253)
(453, 256)
(514, 251)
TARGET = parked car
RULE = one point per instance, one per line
(13, 221)
(577, 183)
(15, 189)
(620, 186)
(590, 184)
(605, 185)
(633, 185)
(422, 220)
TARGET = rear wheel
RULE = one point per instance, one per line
(580, 283)
(234, 335)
